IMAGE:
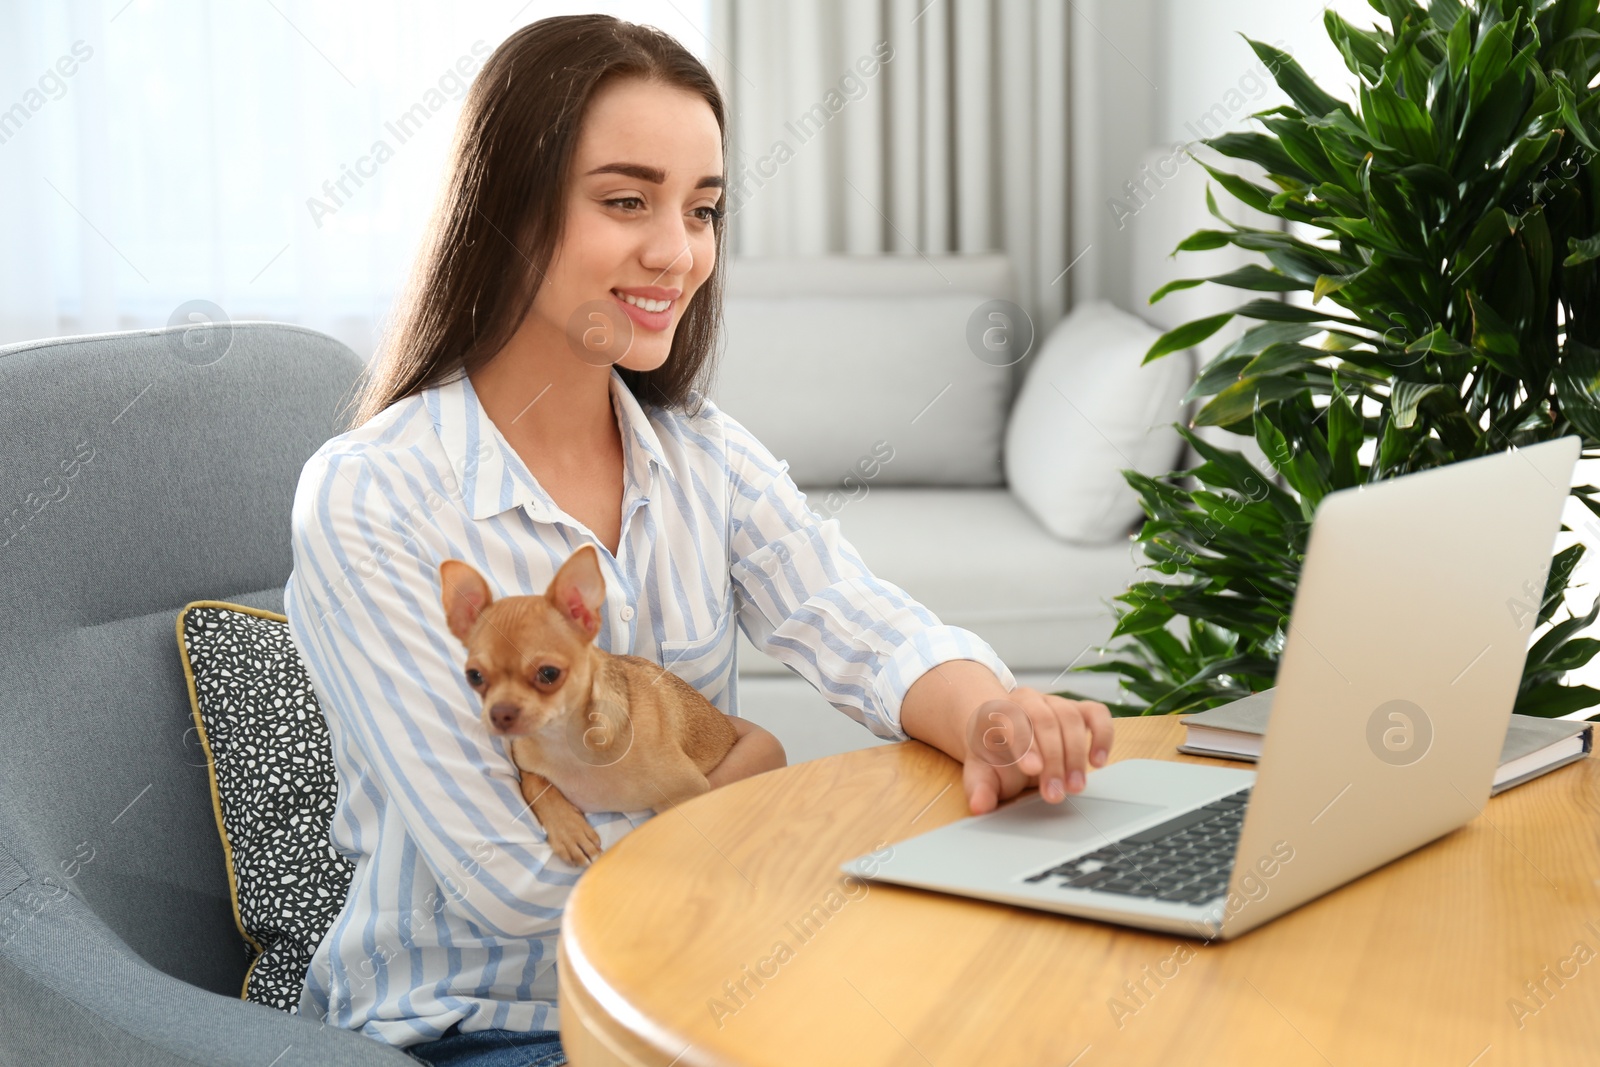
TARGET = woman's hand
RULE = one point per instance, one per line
(755, 751)
(1029, 738)
(1006, 740)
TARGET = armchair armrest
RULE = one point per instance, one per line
(72, 992)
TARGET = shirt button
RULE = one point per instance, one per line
(626, 613)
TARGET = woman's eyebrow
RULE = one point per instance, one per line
(653, 175)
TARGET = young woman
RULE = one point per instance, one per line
(542, 390)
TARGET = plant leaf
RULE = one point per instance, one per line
(1492, 338)
(1583, 251)
(1277, 311)
(1150, 613)
(1186, 336)
(1282, 359)
(1460, 45)
(1488, 62)
(1176, 286)
(1405, 398)
(1218, 374)
(1258, 338)
(1329, 283)
(1577, 382)
(1247, 193)
(1554, 701)
(1251, 276)
(1345, 437)
(1437, 342)
(1266, 152)
(1203, 241)
(1401, 122)
(1307, 95)
(1239, 401)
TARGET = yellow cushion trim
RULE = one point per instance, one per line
(211, 763)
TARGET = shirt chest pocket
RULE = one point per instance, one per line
(704, 658)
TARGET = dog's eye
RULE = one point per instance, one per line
(549, 675)
(474, 678)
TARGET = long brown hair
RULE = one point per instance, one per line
(500, 213)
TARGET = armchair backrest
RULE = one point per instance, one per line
(139, 471)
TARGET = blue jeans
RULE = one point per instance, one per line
(492, 1048)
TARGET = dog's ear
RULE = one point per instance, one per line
(465, 595)
(578, 590)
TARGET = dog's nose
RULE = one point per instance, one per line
(503, 716)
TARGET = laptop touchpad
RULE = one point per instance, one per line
(1074, 819)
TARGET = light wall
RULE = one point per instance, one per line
(1147, 74)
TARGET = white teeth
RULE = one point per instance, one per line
(648, 305)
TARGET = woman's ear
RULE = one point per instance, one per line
(578, 590)
(465, 595)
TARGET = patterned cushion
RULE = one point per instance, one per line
(273, 787)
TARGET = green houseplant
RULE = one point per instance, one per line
(1447, 233)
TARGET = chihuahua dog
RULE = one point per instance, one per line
(587, 730)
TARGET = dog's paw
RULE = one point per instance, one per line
(571, 837)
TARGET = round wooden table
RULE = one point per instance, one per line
(723, 933)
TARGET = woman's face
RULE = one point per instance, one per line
(639, 240)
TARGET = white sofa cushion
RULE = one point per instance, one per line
(836, 360)
(822, 380)
(976, 559)
(1087, 410)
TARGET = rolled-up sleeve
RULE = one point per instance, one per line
(365, 613)
(805, 597)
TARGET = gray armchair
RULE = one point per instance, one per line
(138, 472)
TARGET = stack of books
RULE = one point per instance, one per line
(1533, 746)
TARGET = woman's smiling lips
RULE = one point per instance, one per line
(654, 294)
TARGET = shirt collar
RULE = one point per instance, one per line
(492, 478)
(646, 445)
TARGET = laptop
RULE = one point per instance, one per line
(1416, 603)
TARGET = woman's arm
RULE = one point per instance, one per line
(755, 751)
(808, 599)
(804, 596)
(366, 615)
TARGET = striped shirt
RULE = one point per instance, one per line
(456, 900)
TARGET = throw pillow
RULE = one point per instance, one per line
(1087, 410)
(272, 787)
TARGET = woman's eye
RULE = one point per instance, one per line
(630, 204)
(549, 675)
(474, 679)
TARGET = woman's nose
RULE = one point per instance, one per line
(668, 250)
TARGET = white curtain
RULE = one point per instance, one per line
(157, 152)
(906, 126)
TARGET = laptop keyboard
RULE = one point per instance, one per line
(1184, 860)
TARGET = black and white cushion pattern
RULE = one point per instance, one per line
(273, 786)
